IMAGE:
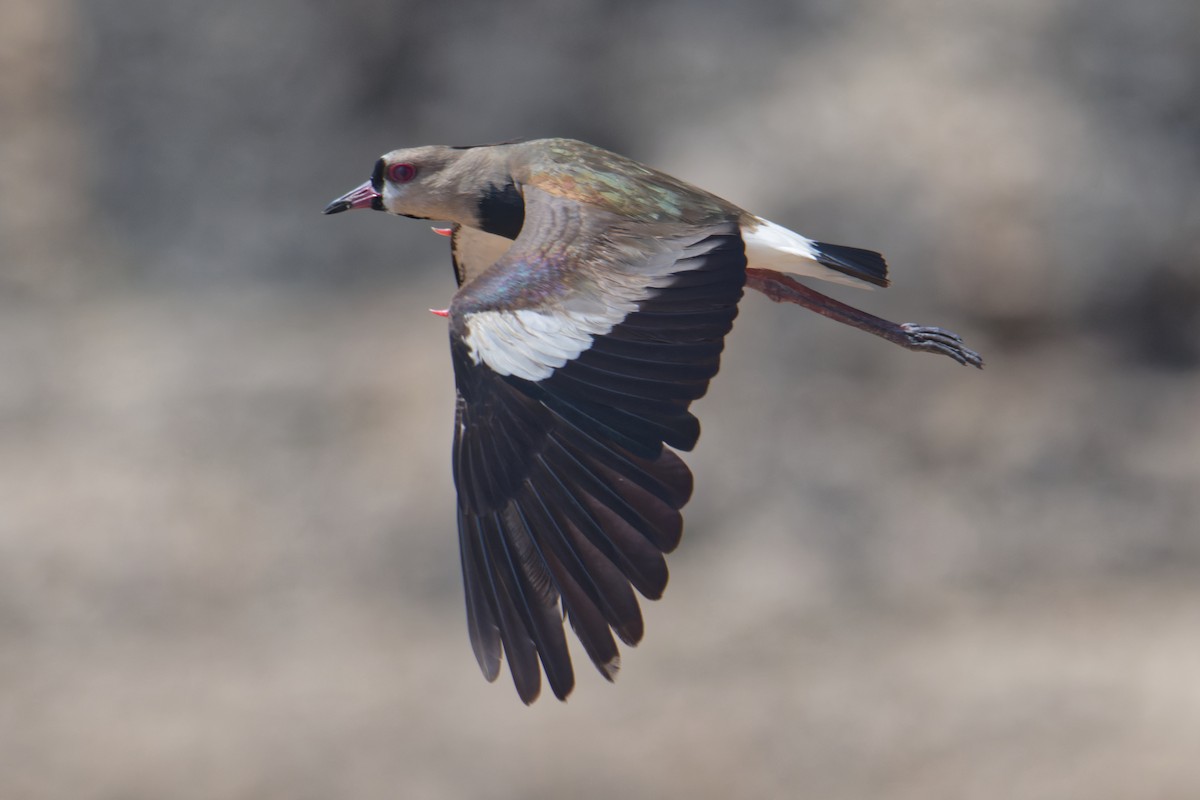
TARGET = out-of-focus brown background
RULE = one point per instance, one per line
(228, 565)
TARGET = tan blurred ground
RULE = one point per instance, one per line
(227, 559)
(230, 572)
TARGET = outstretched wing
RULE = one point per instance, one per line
(576, 356)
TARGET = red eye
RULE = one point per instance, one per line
(401, 173)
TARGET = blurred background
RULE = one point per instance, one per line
(228, 565)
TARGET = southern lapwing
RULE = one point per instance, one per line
(594, 298)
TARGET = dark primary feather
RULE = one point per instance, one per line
(556, 513)
(568, 499)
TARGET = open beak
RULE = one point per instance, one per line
(364, 196)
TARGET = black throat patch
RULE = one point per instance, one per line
(502, 210)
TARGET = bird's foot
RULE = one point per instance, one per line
(939, 340)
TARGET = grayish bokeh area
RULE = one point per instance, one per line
(228, 567)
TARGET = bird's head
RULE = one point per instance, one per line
(434, 182)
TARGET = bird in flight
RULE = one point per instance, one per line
(594, 298)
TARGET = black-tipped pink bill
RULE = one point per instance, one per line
(364, 196)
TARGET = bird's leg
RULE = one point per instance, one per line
(783, 288)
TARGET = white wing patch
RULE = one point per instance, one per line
(772, 246)
(532, 344)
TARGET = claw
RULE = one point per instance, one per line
(784, 288)
(940, 340)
